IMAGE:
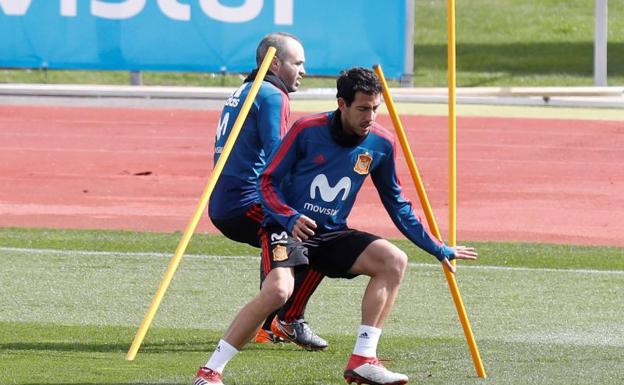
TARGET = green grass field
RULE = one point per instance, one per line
(516, 42)
(499, 43)
(72, 300)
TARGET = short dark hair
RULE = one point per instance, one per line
(277, 40)
(357, 79)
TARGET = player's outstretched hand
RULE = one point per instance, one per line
(461, 252)
(303, 228)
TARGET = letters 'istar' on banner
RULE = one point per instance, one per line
(173, 9)
(202, 35)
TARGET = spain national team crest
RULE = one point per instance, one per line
(280, 253)
(363, 163)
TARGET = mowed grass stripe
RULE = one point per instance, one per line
(462, 265)
(505, 254)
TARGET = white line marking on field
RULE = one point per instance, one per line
(88, 253)
(530, 269)
(250, 257)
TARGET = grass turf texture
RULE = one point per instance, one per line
(69, 314)
(516, 42)
(501, 43)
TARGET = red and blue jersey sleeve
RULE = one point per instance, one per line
(273, 112)
(400, 209)
(236, 189)
(279, 165)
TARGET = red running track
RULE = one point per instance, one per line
(542, 180)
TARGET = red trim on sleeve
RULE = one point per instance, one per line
(285, 115)
(266, 187)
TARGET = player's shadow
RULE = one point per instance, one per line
(110, 383)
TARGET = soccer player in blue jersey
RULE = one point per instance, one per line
(234, 206)
(308, 189)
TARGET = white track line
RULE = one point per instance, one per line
(250, 257)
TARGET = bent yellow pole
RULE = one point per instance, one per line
(190, 229)
(422, 196)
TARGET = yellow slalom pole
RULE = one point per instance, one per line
(422, 196)
(409, 156)
(452, 121)
(190, 229)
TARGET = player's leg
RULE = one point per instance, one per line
(290, 324)
(348, 254)
(308, 280)
(265, 335)
(275, 291)
(293, 311)
(385, 264)
(244, 228)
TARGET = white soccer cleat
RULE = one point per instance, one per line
(368, 370)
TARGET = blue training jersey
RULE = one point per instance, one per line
(262, 131)
(311, 173)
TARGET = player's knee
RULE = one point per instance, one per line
(396, 264)
(277, 288)
(382, 259)
(275, 296)
(391, 262)
(281, 296)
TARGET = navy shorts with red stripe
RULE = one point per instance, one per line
(331, 253)
(244, 228)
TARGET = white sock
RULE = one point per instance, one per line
(222, 354)
(366, 341)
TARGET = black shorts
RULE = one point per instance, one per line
(332, 253)
(243, 228)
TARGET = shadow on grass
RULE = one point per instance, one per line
(156, 348)
(166, 347)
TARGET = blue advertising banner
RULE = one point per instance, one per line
(200, 35)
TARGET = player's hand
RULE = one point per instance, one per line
(303, 228)
(461, 252)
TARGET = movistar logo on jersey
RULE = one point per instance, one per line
(320, 187)
(329, 193)
(320, 209)
(279, 238)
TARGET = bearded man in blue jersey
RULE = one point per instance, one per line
(307, 189)
(234, 206)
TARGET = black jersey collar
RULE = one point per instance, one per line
(270, 77)
(339, 135)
